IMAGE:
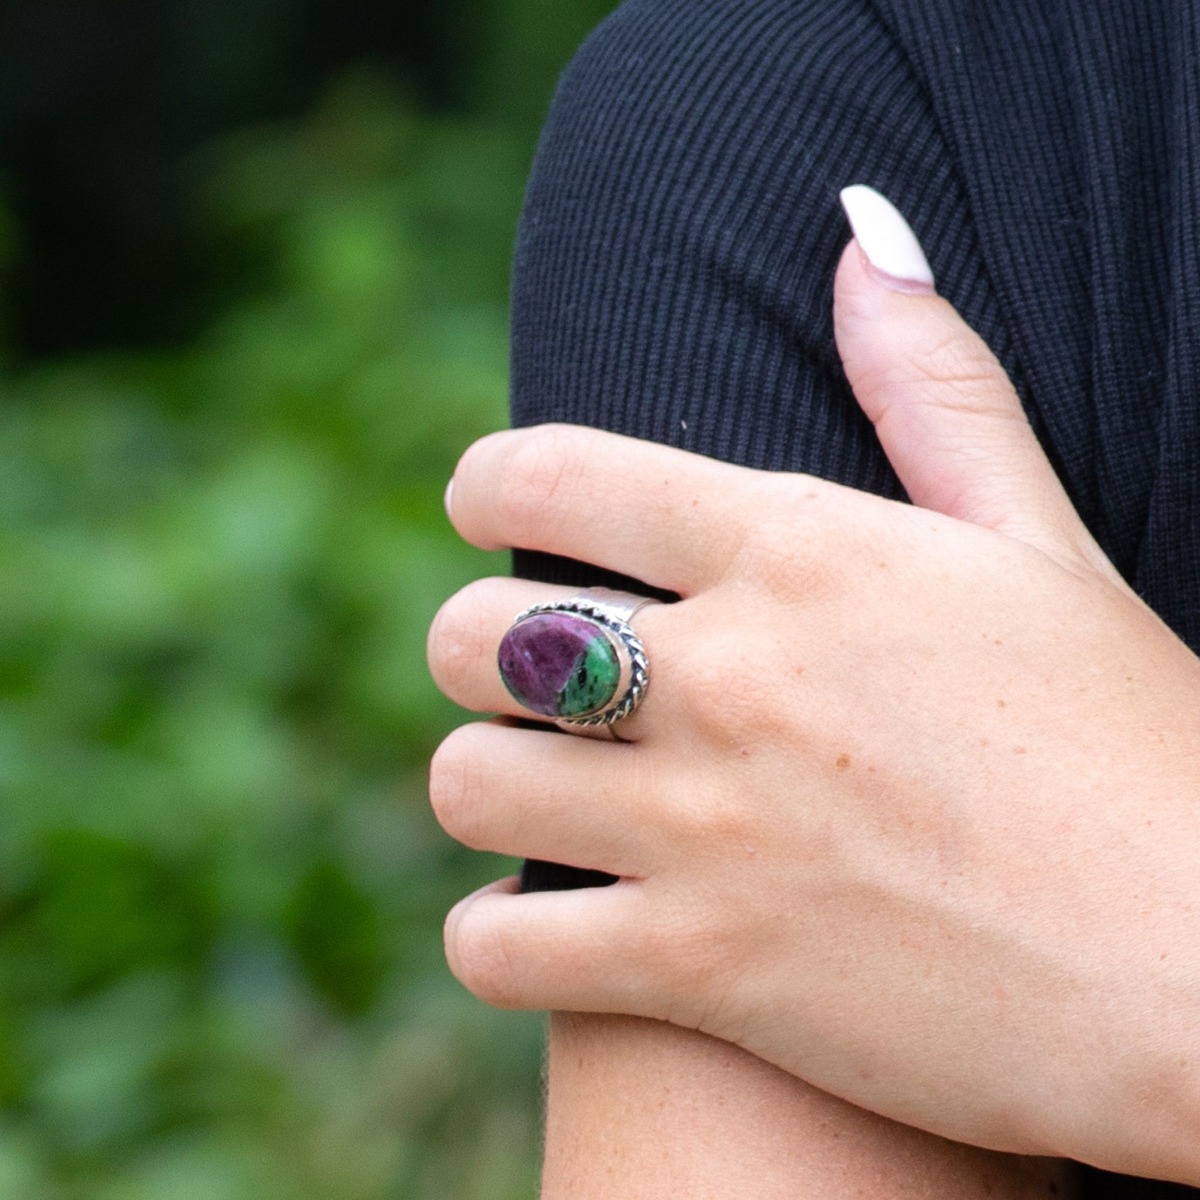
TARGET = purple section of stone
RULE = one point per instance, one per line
(539, 655)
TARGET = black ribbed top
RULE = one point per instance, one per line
(675, 261)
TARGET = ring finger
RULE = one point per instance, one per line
(466, 634)
(532, 793)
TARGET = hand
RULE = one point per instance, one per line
(912, 807)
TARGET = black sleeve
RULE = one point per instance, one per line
(675, 261)
(674, 267)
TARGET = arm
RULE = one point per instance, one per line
(638, 1110)
(968, 903)
(650, 158)
(652, 300)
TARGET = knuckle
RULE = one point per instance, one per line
(724, 686)
(458, 641)
(785, 570)
(977, 395)
(481, 958)
(798, 553)
(704, 679)
(535, 480)
(471, 459)
(452, 789)
(965, 376)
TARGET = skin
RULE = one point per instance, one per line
(910, 810)
(640, 1110)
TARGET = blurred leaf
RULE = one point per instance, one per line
(221, 888)
(107, 908)
(335, 932)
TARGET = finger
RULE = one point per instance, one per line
(535, 793)
(577, 951)
(946, 413)
(467, 631)
(667, 517)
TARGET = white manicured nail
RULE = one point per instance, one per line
(446, 498)
(887, 239)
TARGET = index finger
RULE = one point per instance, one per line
(671, 518)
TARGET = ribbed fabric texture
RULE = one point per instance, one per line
(675, 260)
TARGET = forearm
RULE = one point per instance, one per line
(639, 1110)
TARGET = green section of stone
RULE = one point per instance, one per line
(593, 682)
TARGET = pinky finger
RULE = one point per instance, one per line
(574, 951)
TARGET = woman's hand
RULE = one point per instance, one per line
(912, 806)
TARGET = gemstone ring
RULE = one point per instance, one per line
(578, 661)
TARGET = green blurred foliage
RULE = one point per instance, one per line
(221, 891)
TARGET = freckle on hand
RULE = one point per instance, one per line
(843, 762)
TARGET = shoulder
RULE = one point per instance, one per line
(683, 107)
(682, 224)
(682, 62)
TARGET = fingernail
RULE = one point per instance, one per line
(887, 240)
(446, 498)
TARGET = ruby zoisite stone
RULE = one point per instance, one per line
(559, 664)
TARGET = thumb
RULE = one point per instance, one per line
(947, 415)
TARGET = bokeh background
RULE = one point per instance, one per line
(253, 276)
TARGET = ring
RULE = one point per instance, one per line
(578, 661)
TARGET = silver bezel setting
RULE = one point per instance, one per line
(631, 654)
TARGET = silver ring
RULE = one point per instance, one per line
(578, 661)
